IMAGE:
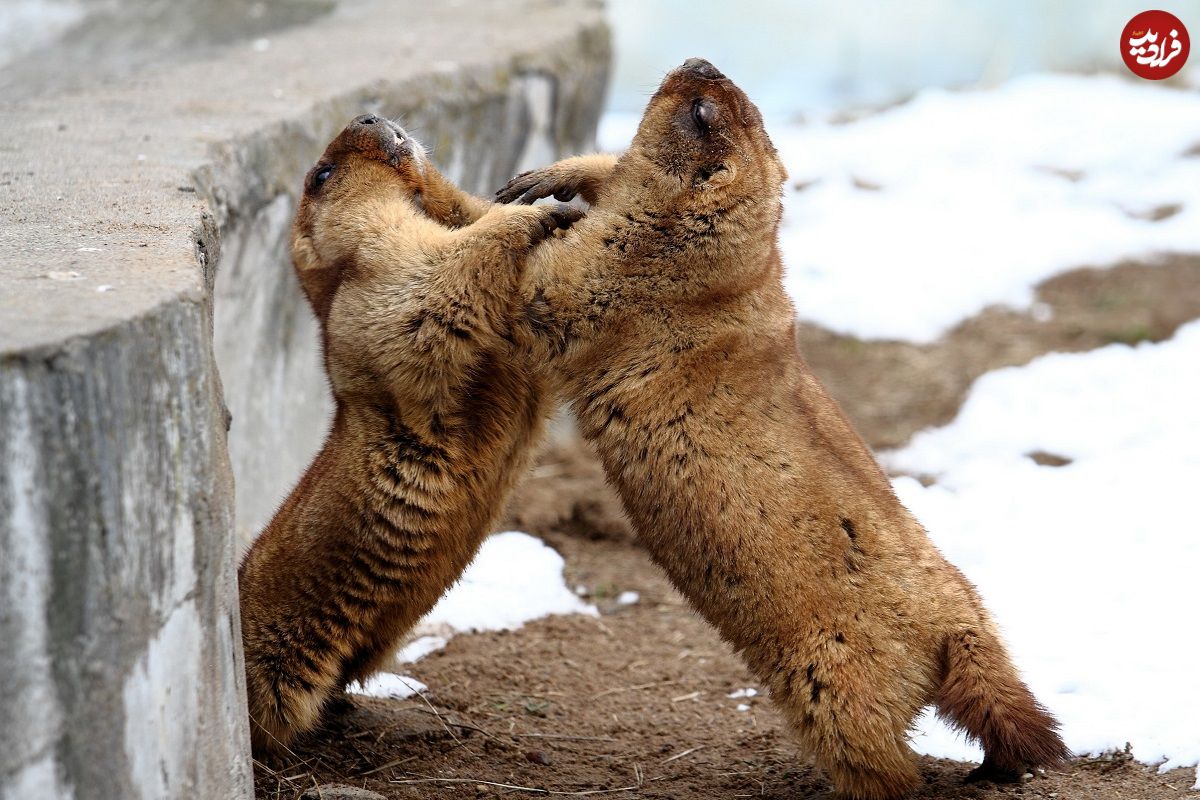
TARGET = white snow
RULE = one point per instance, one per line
(1090, 568)
(514, 579)
(747, 692)
(420, 647)
(742, 707)
(920, 216)
(628, 598)
(388, 685)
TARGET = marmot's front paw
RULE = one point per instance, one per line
(560, 217)
(536, 184)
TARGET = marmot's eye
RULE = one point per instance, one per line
(703, 114)
(320, 176)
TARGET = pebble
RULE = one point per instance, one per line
(538, 757)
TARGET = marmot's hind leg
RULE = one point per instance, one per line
(854, 725)
(285, 710)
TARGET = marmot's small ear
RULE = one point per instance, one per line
(318, 281)
(304, 257)
(718, 176)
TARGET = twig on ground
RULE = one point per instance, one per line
(382, 767)
(441, 719)
(561, 736)
(638, 687)
(467, 727)
(687, 752)
(532, 789)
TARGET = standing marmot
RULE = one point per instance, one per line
(665, 313)
(434, 419)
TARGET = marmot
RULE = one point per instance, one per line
(665, 313)
(414, 285)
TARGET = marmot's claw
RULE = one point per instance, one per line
(529, 187)
(516, 187)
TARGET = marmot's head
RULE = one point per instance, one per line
(371, 171)
(706, 139)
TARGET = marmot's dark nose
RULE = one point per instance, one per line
(366, 119)
(702, 68)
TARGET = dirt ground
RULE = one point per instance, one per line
(634, 704)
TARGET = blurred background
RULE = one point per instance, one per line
(794, 58)
(800, 59)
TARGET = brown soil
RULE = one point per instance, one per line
(634, 701)
(633, 704)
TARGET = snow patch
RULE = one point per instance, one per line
(747, 692)
(514, 579)
(918, 217)
(420, 647)
(388, 685)
(1089, 566)
(628, 598)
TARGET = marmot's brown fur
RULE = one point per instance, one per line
(665, 312)
(414, 285)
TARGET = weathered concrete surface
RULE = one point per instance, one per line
(128, 202)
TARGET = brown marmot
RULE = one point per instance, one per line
(665, 313)
(414, 284)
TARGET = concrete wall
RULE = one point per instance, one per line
(141, 246)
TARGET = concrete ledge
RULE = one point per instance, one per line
(141, 245)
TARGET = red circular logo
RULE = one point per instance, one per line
(1155, 45)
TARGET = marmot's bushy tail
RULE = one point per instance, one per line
(984, 696)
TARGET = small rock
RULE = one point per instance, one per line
(538, 757)
(334, 792)
(482, 788)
